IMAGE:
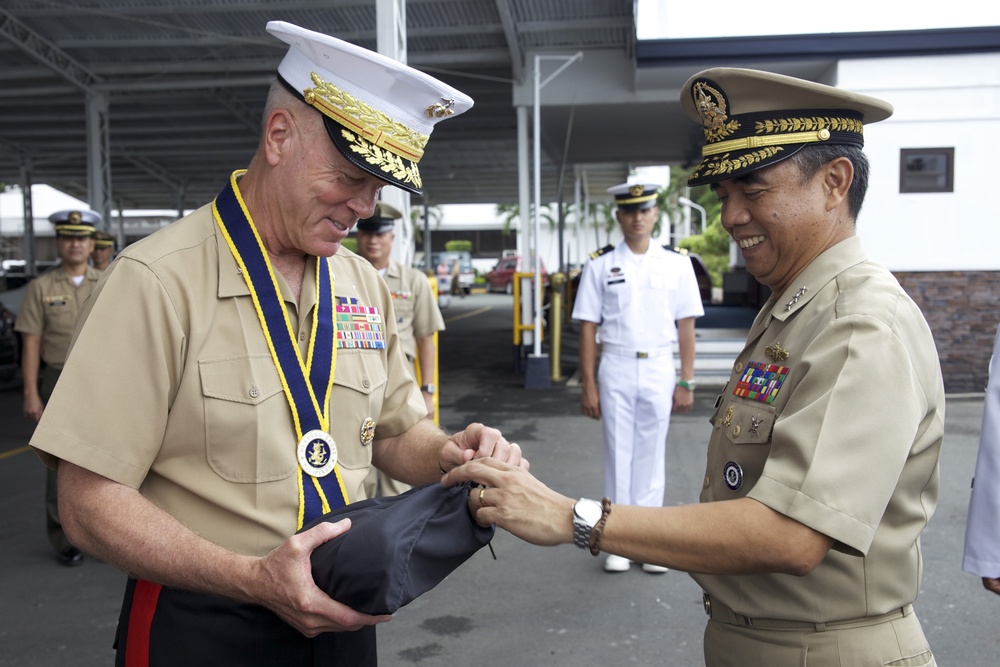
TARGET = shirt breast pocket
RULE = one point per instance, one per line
(663, 280)
(403, 308)
(746, 423)
(358, 394)
(59, 315)
(249, 435)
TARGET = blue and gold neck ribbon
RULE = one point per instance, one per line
(307, 384)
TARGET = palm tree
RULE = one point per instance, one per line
(512, 212)
(434, 217)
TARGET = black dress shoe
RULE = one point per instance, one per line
(71, 557)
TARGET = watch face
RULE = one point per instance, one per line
(588, 510)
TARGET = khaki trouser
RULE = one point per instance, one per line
(891, 640)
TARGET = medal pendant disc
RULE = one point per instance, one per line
(317, 453)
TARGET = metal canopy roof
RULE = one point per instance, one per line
(186, 80)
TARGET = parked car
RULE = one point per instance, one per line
(466, 276)
(501, 277)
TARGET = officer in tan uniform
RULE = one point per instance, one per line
(259, 376)
(807, 539)
(417, 316)
(46, 319)
(104, 250)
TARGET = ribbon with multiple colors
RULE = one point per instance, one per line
(307, 384)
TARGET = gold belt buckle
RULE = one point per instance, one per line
(707, 601)
(642, 355)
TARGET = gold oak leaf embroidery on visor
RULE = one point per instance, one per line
(810, 124)
(348, 110)
(723, 165)
(715, 134)
(383, 159)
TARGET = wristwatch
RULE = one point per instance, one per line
(429, 388)
(586, 514)
(690, 385)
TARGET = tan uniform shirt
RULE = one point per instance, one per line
(417, 315)
(196, 418)
(52, 302)
(848, 446)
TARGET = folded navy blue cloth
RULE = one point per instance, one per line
(398, 547)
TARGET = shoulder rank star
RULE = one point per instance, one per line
(775, 352)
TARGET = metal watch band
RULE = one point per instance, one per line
(581, 535)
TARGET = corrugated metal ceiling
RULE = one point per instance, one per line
(186, 80)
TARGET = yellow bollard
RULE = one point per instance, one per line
(416, 363)
(555, 320)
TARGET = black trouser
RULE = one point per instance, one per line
(47, 378)
(167, 627)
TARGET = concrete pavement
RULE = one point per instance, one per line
(531, 606)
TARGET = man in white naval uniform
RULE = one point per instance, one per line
(636, 299)
(982, 532)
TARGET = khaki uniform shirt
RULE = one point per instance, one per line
(848, 445)
(417, 314)
(196, 418)
(51, 304)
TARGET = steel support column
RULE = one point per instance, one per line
(390, 31)
(99, 156)
(28, 242)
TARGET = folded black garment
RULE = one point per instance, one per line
(398, 547)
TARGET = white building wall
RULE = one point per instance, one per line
(940, 102)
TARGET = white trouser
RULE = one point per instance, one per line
(636, 400)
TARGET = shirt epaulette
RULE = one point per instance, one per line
(677, 249)
(598, 253)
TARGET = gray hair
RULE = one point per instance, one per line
(812, 157)
(279, 97)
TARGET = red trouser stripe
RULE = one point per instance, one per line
(140, 621)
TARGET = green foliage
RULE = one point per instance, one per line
(434, 217)
(351, 243)
(511, 212)
(666, 201)
(458, 245)
(713, 245)
(713, 248)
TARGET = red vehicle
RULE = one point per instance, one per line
(501, 277)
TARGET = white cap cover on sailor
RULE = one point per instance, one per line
(75, 222)
(635, 196)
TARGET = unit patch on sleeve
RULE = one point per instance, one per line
(761, 382)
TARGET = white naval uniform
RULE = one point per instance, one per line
(636, 300)
(982, 531)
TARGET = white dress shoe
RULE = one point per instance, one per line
(617, 564)
(654, 569)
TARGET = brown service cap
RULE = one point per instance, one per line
(753, 119)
